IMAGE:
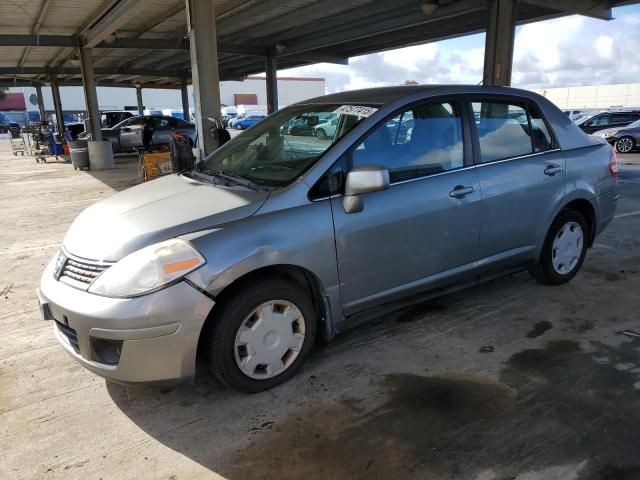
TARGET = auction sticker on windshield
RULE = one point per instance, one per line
(357, 110)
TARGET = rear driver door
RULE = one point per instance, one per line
(522, 178)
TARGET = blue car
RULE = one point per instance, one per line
(247, 122)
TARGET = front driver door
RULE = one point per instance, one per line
(423, 231)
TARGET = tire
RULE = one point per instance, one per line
(558, 263)
(239, 126)
(225, 354)
(321, 134)
(625, 144)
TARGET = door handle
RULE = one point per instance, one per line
(551, 170)
(460, 191)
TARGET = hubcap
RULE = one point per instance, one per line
(624, 145)
(269, 339)
(567, 248)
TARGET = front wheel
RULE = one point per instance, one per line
(564, 249)
(239, 126)
(261, 334)
(321, 134)
(625, 144)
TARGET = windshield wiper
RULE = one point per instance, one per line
(235, 179)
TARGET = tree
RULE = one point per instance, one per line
(410, 82)
(3, 93)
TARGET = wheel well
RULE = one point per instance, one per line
(586, 209)
(300, 276)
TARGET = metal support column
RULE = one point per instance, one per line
(90, 93)
(271, 68)
(184, 91)
(204, 69)
(139, 97)
(57, 103)
(43, 111)
(498, 50)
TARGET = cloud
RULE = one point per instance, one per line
(561, 52)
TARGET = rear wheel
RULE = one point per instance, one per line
(564, 249)
(261, 335)
(625, 144)
(239, 126)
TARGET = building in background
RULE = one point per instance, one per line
(594, 97)
(252, 91)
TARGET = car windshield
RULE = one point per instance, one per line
(128, 121)
(270, 155)
(581, 120)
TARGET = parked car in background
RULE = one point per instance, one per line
(247, 122)
(5, 123)
(326, 129)
(624, 139)
(110, 118)
(271, 241)
(604, 120)
(75, 129)
(231, 122)
(129, 133)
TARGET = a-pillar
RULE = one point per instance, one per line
(204, 70)
(498, 50)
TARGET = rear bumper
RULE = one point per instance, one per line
(149, 339)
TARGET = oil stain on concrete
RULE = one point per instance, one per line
(556, 405)
(539, 329)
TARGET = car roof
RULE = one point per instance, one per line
(385, 95)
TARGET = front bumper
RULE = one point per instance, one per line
(147, 339)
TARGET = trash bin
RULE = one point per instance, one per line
(79, 154)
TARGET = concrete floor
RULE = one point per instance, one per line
(508, 380)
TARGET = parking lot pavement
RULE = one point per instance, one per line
(510, 379)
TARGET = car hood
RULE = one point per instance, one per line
(155, 211)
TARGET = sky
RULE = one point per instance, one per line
(568, 51)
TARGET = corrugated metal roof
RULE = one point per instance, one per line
(298, 31)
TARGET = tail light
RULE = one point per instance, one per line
(613, 164)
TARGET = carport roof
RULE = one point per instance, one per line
(144, 41)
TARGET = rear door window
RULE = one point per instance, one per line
(623, 118)
(507, 130)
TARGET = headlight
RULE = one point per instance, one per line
(148, 269)
(609, 134)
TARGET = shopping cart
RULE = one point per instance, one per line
(153, 162)
(18, 146)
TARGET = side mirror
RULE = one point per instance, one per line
(363, 179)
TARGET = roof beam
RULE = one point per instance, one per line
(109, 23)
(38, 40)
(599, 9)
(135, 43)
(172, 73)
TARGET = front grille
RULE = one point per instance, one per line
(70, 334)
(82, 271)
